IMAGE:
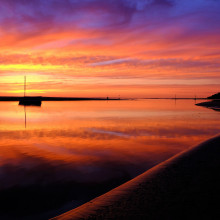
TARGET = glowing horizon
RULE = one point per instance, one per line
(154, 48)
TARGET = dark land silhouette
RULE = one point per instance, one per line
(213, 104)
(37, 99)
(45, 98)
(215, 96)
(185, 186)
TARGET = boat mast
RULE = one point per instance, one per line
(24, 86)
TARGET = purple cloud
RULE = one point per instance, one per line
(95, 14)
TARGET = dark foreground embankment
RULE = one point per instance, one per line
(186, 186)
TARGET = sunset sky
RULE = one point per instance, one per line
(131, 48)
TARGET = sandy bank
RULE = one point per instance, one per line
(183, 187)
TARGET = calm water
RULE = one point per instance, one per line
(63, 154)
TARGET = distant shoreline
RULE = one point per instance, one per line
(177, 98)
(42, 98)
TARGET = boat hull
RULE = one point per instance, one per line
(30, 101)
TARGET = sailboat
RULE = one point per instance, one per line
(29, 100)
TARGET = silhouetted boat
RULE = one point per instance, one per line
(30, 100)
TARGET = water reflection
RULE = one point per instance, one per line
(25, 117)
(70, 152)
